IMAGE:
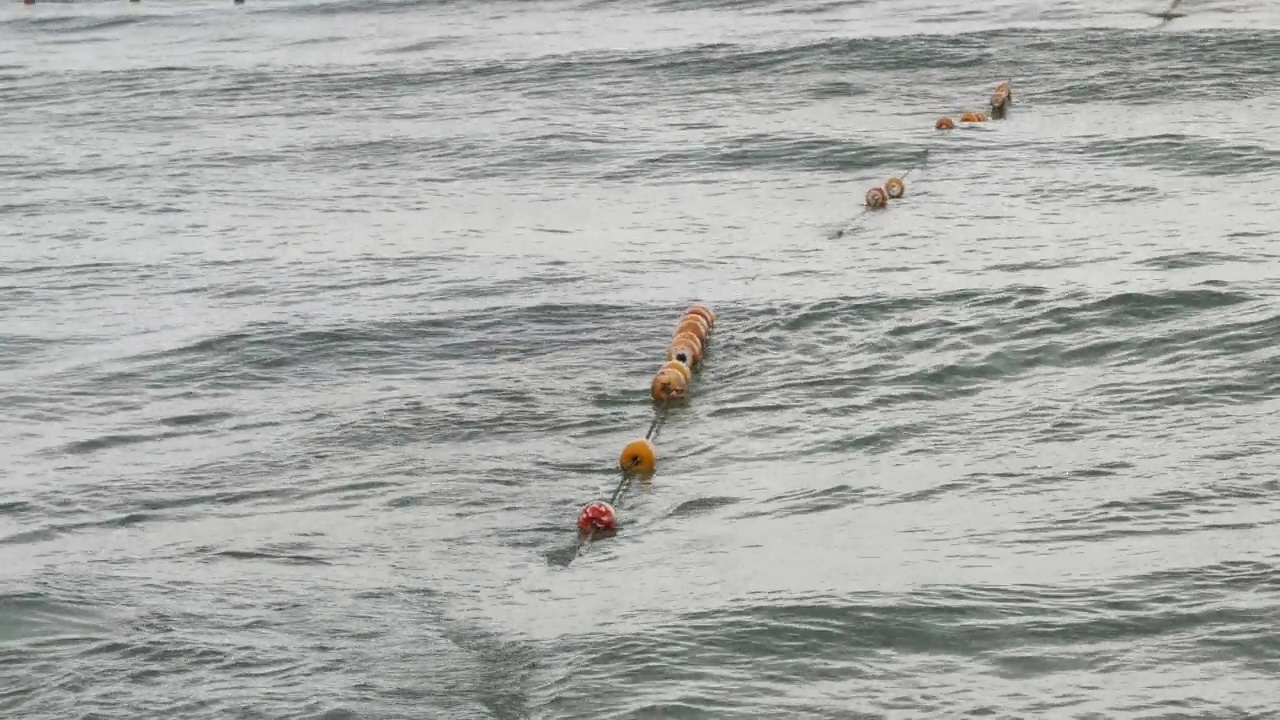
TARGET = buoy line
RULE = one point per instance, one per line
(895, 188)
(877, 198)
(598, 519)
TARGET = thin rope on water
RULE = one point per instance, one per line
(624, 483)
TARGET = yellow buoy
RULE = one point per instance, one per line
(638, 456)
(895, 187)
(680, 368)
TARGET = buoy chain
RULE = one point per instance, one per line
(877, 198)
(670, 385)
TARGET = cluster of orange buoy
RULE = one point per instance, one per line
(670, 385)
(999, 103)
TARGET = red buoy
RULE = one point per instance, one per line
(597, 515)
(877, 198)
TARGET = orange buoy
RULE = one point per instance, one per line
(877, 198)
(691, 339)
(973, 117)
(682, 352)
(895, 187)
(944, 123)
(705, 312)
(668, 385)
(638, 456)
(680, 368)
(695, 325)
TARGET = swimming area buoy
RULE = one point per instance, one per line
(694, 325)
(877, 198)
(682, 352)
(597, 515)
(638, 456)
(895, 188)
(944, 123)
(678, 367)
(705, 312)
(667, 385)
(690, 339)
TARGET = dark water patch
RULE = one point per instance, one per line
(34, 615)
(64, 24)
(1047, 264)
(270, 556)
(816, 153)
(805, 502)
(1192, 259)
(418, 47)
(196, 419)
(701, 506)
(16, 507)
(1189, 154)
(115, 440)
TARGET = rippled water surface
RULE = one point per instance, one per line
(322, 319)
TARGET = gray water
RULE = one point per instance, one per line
(322, 319)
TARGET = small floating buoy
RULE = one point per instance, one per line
(682, 352)
(944, 123)
(691, 338)
(705, 312)
(694, 325)
(638, 456)
(689, 345)
(680, 368)
(895, 188)
(1001, 99)
(877, 198)
(597, 515)
(668, 385)
(973, 117)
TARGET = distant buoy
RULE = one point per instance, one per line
(668, 385)
(877, 198)
(944, 124)
(694, 325)
(597, 515)
(1000, 100)
(638, 456)
(705, 312)
(680, 368)
(973, 117)
(895, 188)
